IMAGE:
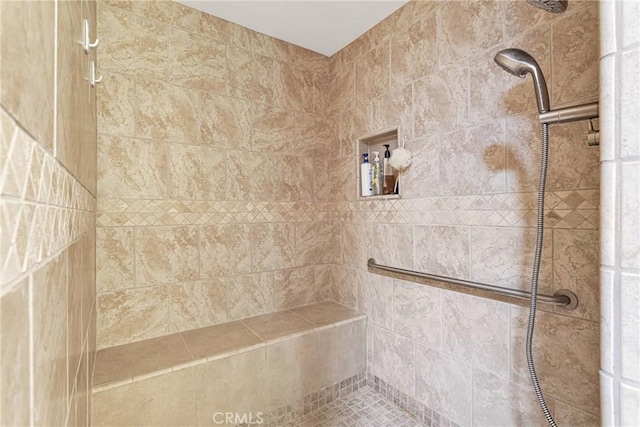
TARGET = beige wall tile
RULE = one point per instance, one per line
(225, 250)
(394, 359)
(312, 135)
(444, 384)
(50, 333)
(372, 73)
(250, 295)
(166, 112)
(444, 251)
(33, 108)
(74, 312)
(345, 285)
(273, 129)
(321, 180)
(197, 304)
(356, 244)
(197, 172)
(393, 245)
(226, 122)
(346, 347)
(285, 385)
(249, 177)
(317, 242)
(562, 354)
(114, 258)
(115, 99)
(170, 13)
(476, 330)
(273, 246)
(14, 371)
(293, 178)
(422, 179)
(570, 415)
(165, 255)
(217, 339)
(132, 168)
(392, 109)
(297, 88)
(278, 324)
(374, 296)
(164, 405)
(412, 51)
(132, 315)
(234, 384)
(417, 312)
(294, 288)
(219, 29)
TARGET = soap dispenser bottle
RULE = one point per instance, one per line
(387, 186)
(378, 174)
(366, 176)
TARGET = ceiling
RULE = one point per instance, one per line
(324, 26)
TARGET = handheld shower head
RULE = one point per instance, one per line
(519, 63)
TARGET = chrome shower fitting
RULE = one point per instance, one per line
(555, 6)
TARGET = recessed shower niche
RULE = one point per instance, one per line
(377, 148)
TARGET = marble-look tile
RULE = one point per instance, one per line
(417, 312)
(135, 359)
(444, 384)
(14, 371)
(249, 177)
(630, 324)
(372, 73)
(164, 112)
(321, 180)
(575, 254)
(356, 121)
(169, 12)
(317, 242)
(477, 330)
(285, 385)
(356, 244)
(572, 164)
(297, 88)
(273, 246)
(312, 135)
(440, 101)
(197, 63)
(629, 109)
(346, 284)
(565, 356)
(115, 98)
(226, 122)
(393, 245)
(251, 76)
(75, 259)
(218, 339)
(422, 179)
(114, 258)
(49, 307)
(274, 325)
(294, 287)
(504, 257)
(630, 215)
(394, 360)
(293, 178)
(375, 299)
(325, 313)
(444, 251)
(570, 416)
(574, 73)
(498, 401)
(522, 17)
(33, 108)
(132, 315)
(273, 129)
(345, 346)
(412, 52)
(392, 109)
(225, 31)
(197, 172)
(467, 27)
(323, 278)
(166, 254)
(234, 385)
(251, 295)
(163, 406)
(89, 286)
(132, 168)
(343, 178)
(197, 304)
(480, 149)
(343, 87)
(225, 250)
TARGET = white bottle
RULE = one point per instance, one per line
(366, 176)
(378, 174)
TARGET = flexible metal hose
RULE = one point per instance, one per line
(536, 271)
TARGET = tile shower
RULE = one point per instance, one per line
(225, 189)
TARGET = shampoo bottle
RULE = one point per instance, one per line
(389, 180)
(366, 176)
(378, 175)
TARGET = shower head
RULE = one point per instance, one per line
(555, 6)
(519, 63)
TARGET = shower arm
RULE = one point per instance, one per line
(570, 114)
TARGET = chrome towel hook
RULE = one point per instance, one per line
(92, 76)
(87, 38)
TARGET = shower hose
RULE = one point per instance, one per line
(536, 271)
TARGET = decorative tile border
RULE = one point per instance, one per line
(43, 208)
(564, 209)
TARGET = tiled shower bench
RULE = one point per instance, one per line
(267, 368)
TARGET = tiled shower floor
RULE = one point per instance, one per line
(363, 407)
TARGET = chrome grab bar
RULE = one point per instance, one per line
(563, 298)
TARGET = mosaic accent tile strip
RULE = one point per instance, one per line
(43, 207)
(565, 209)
